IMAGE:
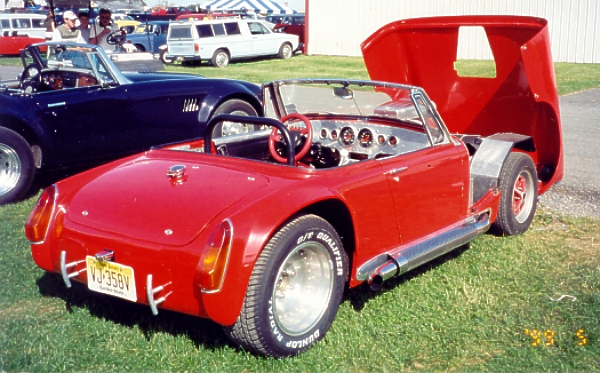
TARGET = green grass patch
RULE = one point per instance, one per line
(466, 311)
(571, 77)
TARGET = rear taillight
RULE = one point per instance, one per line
(196, 47)
(37, 225)
(213, 261)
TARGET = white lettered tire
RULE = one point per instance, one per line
(295, 290)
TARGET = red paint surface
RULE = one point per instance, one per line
(522, 98)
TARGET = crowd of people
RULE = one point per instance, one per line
(77, 28)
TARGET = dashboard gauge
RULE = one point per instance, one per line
(334, 134)
(393, 140)
(347, 135)
(324, 133)
(381, 140)
(365, 137)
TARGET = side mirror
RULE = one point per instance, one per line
(343, 93)
(107, 82)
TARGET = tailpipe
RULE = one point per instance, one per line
(423, 252)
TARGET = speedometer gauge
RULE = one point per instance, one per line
(365, 137)
(347, 135)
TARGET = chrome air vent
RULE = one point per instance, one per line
(190, 104)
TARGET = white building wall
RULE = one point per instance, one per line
(337, 27)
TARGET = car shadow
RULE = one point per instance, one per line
(362, 294)
(202, 332)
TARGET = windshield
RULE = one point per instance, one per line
(349, 98)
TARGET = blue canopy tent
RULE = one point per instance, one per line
(256, 6)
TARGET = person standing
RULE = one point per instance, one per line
(101, 29)
(68, 31)
(50, 24)
(84, 26)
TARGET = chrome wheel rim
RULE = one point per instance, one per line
(302, 288)
(234, 128)
(221, 59)
(522, 200)
(287, 51)
(10, 168)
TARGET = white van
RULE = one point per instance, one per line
(220, 41)
(23, 24)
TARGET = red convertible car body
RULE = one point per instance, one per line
(262, 231)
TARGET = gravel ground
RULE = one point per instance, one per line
(579, 192)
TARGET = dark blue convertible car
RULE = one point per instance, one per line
(72, 107)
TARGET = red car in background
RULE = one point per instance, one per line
(293, 24)
(261, 232)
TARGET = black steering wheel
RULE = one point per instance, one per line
(116, 37)
(30, 78)
(257, 121)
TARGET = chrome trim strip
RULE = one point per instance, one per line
(57, 104)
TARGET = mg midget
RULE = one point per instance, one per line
(346, 182)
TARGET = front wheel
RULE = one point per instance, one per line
(220, 58)
(285, 51)
(519, 187)
(16, 166)
(295, 290)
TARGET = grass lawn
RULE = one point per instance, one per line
(486, 307)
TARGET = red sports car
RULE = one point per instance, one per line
(262, 231)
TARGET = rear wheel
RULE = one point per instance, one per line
(234, 107)
(295, 290)
(164, 57)
(16, 166)
(285, 51)
(519, 187)
(220, 58)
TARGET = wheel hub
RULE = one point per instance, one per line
(10, 168)
(522, 201)
(303, 288)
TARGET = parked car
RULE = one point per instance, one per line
(23, 24)
(221, 41)
(293, 25)
(148, 37)
(261, 232)
(128, 26)
(72, 108)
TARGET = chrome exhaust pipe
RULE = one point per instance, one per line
(425, 251)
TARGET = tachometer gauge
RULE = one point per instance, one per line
(347, 135)
(365, 137)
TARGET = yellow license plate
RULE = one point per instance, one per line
(111, 278)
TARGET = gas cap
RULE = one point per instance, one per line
(176, 171)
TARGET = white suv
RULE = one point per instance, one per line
(220, 41)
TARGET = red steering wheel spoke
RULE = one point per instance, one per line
(306, 131)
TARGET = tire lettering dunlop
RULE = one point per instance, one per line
(273, 324)
(304, 342)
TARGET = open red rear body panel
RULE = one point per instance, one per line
(522, 98)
